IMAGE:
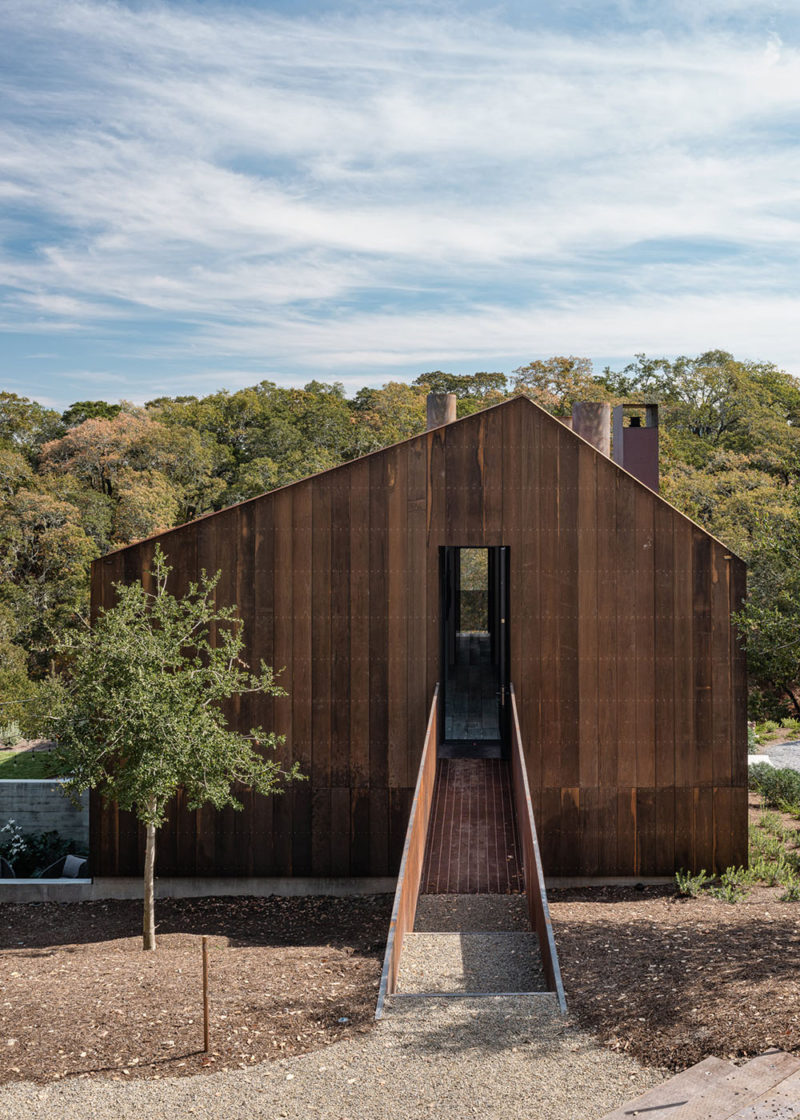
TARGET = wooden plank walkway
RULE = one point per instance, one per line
(765, 1088)
(473, 845)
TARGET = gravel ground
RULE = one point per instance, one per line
(471, 913)
(498, 1057)
(783, 754)
(470, 962)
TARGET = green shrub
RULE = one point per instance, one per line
(734, 884)
(690, 886)
(765, 844)
(766, 728)
(790, 725)
(10, 734)
(753, 741)
(771, 822)
(780, 789)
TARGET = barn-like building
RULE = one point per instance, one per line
(496, 550)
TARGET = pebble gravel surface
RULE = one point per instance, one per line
(471, 913)
(471, 962)
(784, 755)
(491, 1056)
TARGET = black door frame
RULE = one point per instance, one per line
(498, 610)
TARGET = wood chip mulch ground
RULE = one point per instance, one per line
(666, 980)
(79, 997)
(671, 981)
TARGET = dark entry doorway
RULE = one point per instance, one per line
(474, 652)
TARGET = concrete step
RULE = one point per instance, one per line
(717, 1090)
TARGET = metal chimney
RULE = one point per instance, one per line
(441, 409)
(636, 446)
(592, 420)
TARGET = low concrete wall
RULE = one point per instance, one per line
(86, 890)
(40, 806)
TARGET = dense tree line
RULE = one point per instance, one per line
(75, 484)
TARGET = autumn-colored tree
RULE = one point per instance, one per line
(387, 415)
(558, 383)
(102, 453)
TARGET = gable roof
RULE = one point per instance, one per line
(520, 401)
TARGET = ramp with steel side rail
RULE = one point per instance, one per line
(470, 915)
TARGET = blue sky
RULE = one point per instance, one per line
(200, 195)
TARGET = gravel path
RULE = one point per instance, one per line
(445, 1058)
(783, 754)
(471, 962)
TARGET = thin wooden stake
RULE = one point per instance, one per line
(205, 994)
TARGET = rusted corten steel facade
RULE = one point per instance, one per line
(629, 678)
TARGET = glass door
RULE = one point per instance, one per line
(474, 652)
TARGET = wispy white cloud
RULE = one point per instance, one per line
(372, 189)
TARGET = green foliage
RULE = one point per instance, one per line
(734, 885)
(26, 425)
(557, 383)
(102, 475)
(44, 563)
(690, 886)
(780, 788)
(17, 691)
(143, 713)
(89, 410)
(10, 733)
(478, 386)
(772, 823)
(770, 620)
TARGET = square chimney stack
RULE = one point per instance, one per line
(635, 445)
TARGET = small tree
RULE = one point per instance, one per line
(141, 716)
(770, 619)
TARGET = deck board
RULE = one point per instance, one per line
(472, 847)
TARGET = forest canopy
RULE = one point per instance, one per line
(76, 484)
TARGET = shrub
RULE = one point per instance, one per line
(690, 886)
(734, 884)
(766, 728)
(779, 788)
(10, 734)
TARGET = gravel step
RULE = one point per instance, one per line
(470, 962)
(471, 913)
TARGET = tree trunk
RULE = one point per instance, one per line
(793, 698)
(149, 923)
